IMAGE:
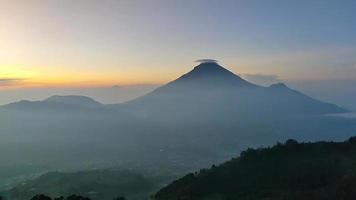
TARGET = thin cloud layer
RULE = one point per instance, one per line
(10, 81)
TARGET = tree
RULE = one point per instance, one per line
(120, 198)
(75, 197)
(291, 143)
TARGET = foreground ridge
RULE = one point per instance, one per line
(320, 170)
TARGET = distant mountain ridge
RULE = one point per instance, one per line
(74, 100)
(57, 102)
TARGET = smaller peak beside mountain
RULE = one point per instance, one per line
(74, 100)
(279, 86)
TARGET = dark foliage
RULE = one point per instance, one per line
(120, 198)
(76, 197)
(71, 197)
(289, 171)
(41, 197)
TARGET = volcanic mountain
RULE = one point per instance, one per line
(211, 90)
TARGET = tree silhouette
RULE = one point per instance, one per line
(290, 170)
(41, 197)
(120, 198)
(71, 197)
(76, 197)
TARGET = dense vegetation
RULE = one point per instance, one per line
(94, 184)
(289, 171)
(71, 197)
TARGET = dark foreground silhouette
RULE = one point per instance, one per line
(72, 197)
(308, 171)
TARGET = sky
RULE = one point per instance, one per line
(52, 44)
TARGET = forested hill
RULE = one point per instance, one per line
(308, 171)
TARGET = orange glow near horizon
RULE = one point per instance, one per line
(103, 43)
(18, 77)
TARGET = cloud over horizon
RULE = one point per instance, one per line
(10, 81)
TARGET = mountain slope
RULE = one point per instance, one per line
(320, 171)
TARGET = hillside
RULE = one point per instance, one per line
(308, 171)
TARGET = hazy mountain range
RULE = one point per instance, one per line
(207, 83)
(203, 117)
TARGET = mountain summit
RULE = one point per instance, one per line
(211, 73)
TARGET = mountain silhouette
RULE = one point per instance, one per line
(210, 89)
(207, 90)
(57, 103)
(74, 100)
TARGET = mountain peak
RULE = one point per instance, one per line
(209, 72)
(209, 67)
